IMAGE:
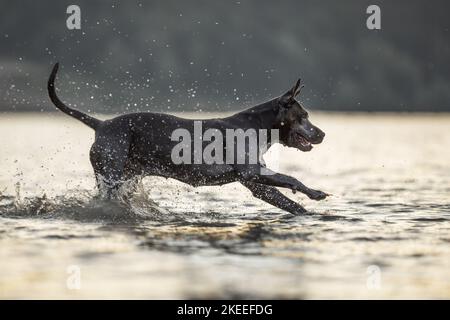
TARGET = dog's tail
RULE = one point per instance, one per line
(87, 120)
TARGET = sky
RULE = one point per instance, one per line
(196, 55)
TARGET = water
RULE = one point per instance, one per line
(385, 232)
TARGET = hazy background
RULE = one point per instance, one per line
(226, 55)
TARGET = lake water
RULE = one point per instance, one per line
(385, 232)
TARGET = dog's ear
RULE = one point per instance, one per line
(292, 93)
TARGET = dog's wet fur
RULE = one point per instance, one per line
(131, 146)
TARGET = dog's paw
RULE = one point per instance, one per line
(317, 194)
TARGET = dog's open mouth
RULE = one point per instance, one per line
(301, 140)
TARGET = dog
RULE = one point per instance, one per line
(131, 146)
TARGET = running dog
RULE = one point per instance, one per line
(131, 146)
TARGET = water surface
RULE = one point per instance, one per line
(385, 232)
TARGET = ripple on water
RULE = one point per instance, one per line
(430, 219)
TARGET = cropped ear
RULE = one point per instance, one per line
(292, 93)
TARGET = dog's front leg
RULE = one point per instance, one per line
(254, 173)
(274, 197)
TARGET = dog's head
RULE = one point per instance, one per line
(293, 122)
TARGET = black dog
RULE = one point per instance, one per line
(131, 146)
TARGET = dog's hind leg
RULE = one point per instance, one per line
(274, 197)
(109, 155)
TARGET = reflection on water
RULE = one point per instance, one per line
(389, 176)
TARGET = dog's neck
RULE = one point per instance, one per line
(262, 116)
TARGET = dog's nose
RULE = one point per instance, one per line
(321, 134)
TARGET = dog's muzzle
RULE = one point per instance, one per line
(305, 135)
